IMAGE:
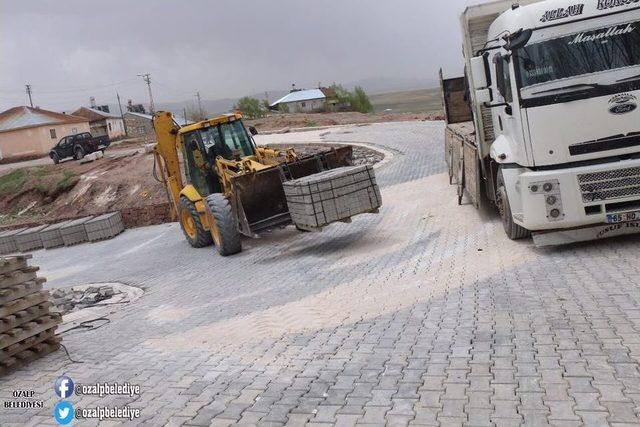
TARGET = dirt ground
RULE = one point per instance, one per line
(284, 122)
(71, 189)
(123, 179)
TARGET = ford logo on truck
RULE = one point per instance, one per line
(622, 103)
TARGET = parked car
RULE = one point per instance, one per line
(77, 146)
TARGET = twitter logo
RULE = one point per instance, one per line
(63, 412)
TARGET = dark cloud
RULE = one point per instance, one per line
(69, 50)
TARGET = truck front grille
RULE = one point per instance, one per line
(610, 185)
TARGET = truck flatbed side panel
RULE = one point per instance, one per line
(463, 161)
(456, 106)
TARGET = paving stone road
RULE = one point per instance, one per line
(425, 314)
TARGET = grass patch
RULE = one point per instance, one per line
(310, 123)
(69, 179)
(12, 181)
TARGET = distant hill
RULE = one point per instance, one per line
(414, 101)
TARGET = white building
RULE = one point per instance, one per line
(102, 123)
(306, 101)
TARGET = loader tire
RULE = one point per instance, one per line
(191, 225)
(513, 230)
(224, 225)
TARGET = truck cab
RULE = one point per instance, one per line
(554, 92)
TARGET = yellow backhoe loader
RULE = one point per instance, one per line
(230, 186)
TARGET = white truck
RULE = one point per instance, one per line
(545, 123)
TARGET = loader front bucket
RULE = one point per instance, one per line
(259, 197)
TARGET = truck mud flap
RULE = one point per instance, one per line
(584, 234)
(259, 199)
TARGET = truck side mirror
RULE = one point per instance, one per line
(479, 71)
(253, 130)
(483, 96)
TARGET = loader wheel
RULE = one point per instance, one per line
(192, 228)
(224, 225)
(513, 230)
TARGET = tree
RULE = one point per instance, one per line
(265, 105)
(250, 107)
(342, 95)
(360, 101)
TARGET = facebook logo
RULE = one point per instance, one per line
(63, 387)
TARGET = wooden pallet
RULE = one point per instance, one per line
(17, 277)
(24, 316)
(23, 303)
(26, 344)
(13, 263)
(22, 290)
(29, 329)
(22, 358)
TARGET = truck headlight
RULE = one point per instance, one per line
(549, 194)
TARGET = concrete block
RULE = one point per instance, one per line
(8, 243)
(74, 232)
(52, 235)
(29, 239)
(331, 196)
(104, 227)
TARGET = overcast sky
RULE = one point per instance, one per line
(72, 49)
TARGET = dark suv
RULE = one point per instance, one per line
(77, 146)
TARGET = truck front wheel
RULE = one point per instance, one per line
(513, 230)
(191, 225)
(224, 225)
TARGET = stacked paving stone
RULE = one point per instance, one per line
(27, 327)
(104, 227)
(334, 195)
(29, 239)
(52, 235)
(66, 233)
(8, 241)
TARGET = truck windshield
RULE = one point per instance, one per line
(588, 52)
(228, 140)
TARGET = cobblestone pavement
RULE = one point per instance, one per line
(423, 315)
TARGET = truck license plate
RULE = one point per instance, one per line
(623, 217)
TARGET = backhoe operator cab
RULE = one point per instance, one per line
(203, 144)
(230, 186)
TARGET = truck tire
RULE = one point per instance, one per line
(224, 225)
(55, 158)
(191, 225)
(513, 230)
(78, 153)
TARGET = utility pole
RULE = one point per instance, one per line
(184, 112)
(124, 123)
(29, 94)
(147, 79)
(197, 95)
